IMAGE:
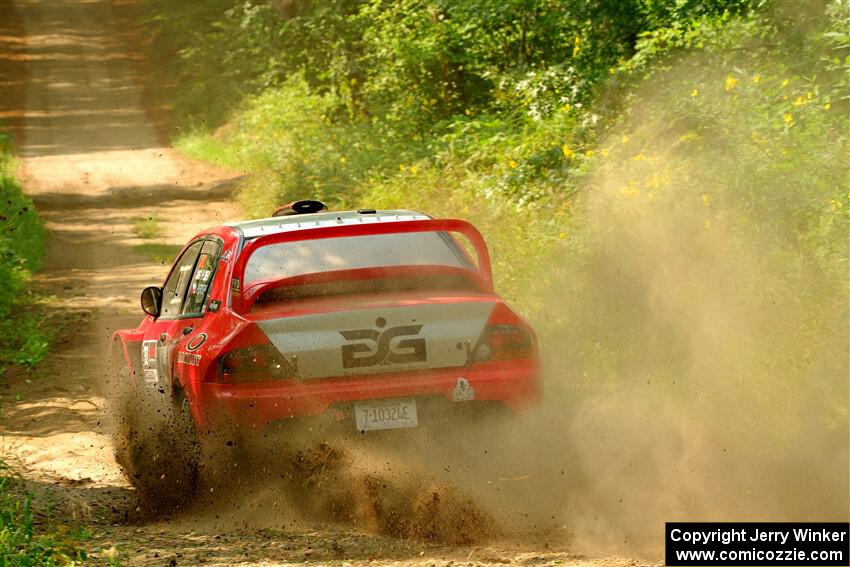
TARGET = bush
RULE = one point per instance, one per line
(413, 63)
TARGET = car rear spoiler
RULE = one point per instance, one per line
(391, 227)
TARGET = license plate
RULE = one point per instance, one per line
(385, 414)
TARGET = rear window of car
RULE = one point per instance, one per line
(288, 259)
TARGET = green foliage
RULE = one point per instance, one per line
(411, 64)
(185, 35)
(25, 340)
(21, 232)
(24, 544)
(768, 116)
(27, 337)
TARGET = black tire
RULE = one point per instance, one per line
(156, 445)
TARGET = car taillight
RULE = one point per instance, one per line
(503, 342)
(253, 364)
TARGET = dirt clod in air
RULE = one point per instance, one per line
(340, 485)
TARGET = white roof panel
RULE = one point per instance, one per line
(273, 225)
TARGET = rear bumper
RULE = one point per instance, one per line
(255, 405)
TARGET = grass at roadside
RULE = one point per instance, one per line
(205, 147)
(149, 230)
(22, 542)
(161, 253)
(25, 338)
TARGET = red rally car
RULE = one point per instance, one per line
(369, 317)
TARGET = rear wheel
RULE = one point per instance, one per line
(157, 446)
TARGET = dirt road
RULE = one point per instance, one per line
(94, 164)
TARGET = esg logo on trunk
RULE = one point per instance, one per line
(376, 347)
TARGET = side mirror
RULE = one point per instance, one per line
(152, 301)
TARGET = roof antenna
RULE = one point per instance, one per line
(304, 207)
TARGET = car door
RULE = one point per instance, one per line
(188, 334)
(185, 336)
(158, 342)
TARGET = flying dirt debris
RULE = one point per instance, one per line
(285, 345)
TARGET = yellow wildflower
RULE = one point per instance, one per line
(785, 82)
(402, 167)
(562, 236)
(652, 182)
(568, 153)
(512, 163)
(605, 152)
(589, 153)
(566, 107)
(630, 190)
(827, 106)
(809, 95)
(694, 93)
(576, 46)
(800, 101)
(730, 83)
(788, 118)
(414, 170)
(624, 139)
(756, 78)
(342, 160)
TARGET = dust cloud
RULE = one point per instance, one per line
(695, 337)
(696, 340)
